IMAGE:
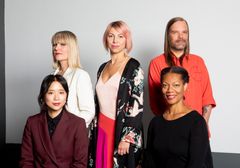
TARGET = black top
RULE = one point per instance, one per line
(52, 123)
(179, 143)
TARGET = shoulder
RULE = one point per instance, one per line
(157, 59)
(196, 118)
(133, 63)
(157, 63)
(133, 68)
(81, 74)
(102, 65)
(198, 125)
(195, 58)
(35, 118)
(155, 124)
(74, 119)
(155, 121)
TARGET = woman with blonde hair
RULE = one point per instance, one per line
(118, 139)
(66, 62)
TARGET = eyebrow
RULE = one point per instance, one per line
(117, 34)
(56, 90)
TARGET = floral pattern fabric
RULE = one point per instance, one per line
(129, 113)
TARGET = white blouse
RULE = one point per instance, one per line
(80, 99)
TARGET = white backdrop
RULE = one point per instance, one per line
(214, 35)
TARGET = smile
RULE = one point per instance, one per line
(56, 104)
(170, 97)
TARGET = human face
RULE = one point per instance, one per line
(173, 88)
(116, 41)
(55, 98)
(178, 36)
(60, 51)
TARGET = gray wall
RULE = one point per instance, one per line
(214, 27)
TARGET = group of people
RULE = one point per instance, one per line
(76, 128)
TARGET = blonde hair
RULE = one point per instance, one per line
(122, 27)
(71, 40)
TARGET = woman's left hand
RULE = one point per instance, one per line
(123, 148)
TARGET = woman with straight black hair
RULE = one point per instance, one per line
(54, 137)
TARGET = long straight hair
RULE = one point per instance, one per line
(167, 50)
(70, 39)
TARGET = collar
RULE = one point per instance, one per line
(176, 59)
(68, 71)
(56, 119)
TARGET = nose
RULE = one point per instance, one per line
(169, 88)
(115, 39)
(180, 35)
(56, 46)
(56, 96)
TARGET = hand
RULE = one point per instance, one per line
(123, 148)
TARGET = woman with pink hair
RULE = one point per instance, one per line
(116, 139)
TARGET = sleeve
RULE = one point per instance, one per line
(132, 130)
(80, 157)
(207, 98)
(27, 157)
(199, 144)
(156, 100)
(85, 98)
(148, 161)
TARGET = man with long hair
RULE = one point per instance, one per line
(176, 53)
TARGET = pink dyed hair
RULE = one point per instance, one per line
(121, 27)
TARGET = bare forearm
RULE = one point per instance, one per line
(207, 112)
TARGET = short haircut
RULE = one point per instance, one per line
(177, 70)
(46, 83)
(71, 40)
(121, 27)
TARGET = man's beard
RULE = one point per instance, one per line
(179, 47)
